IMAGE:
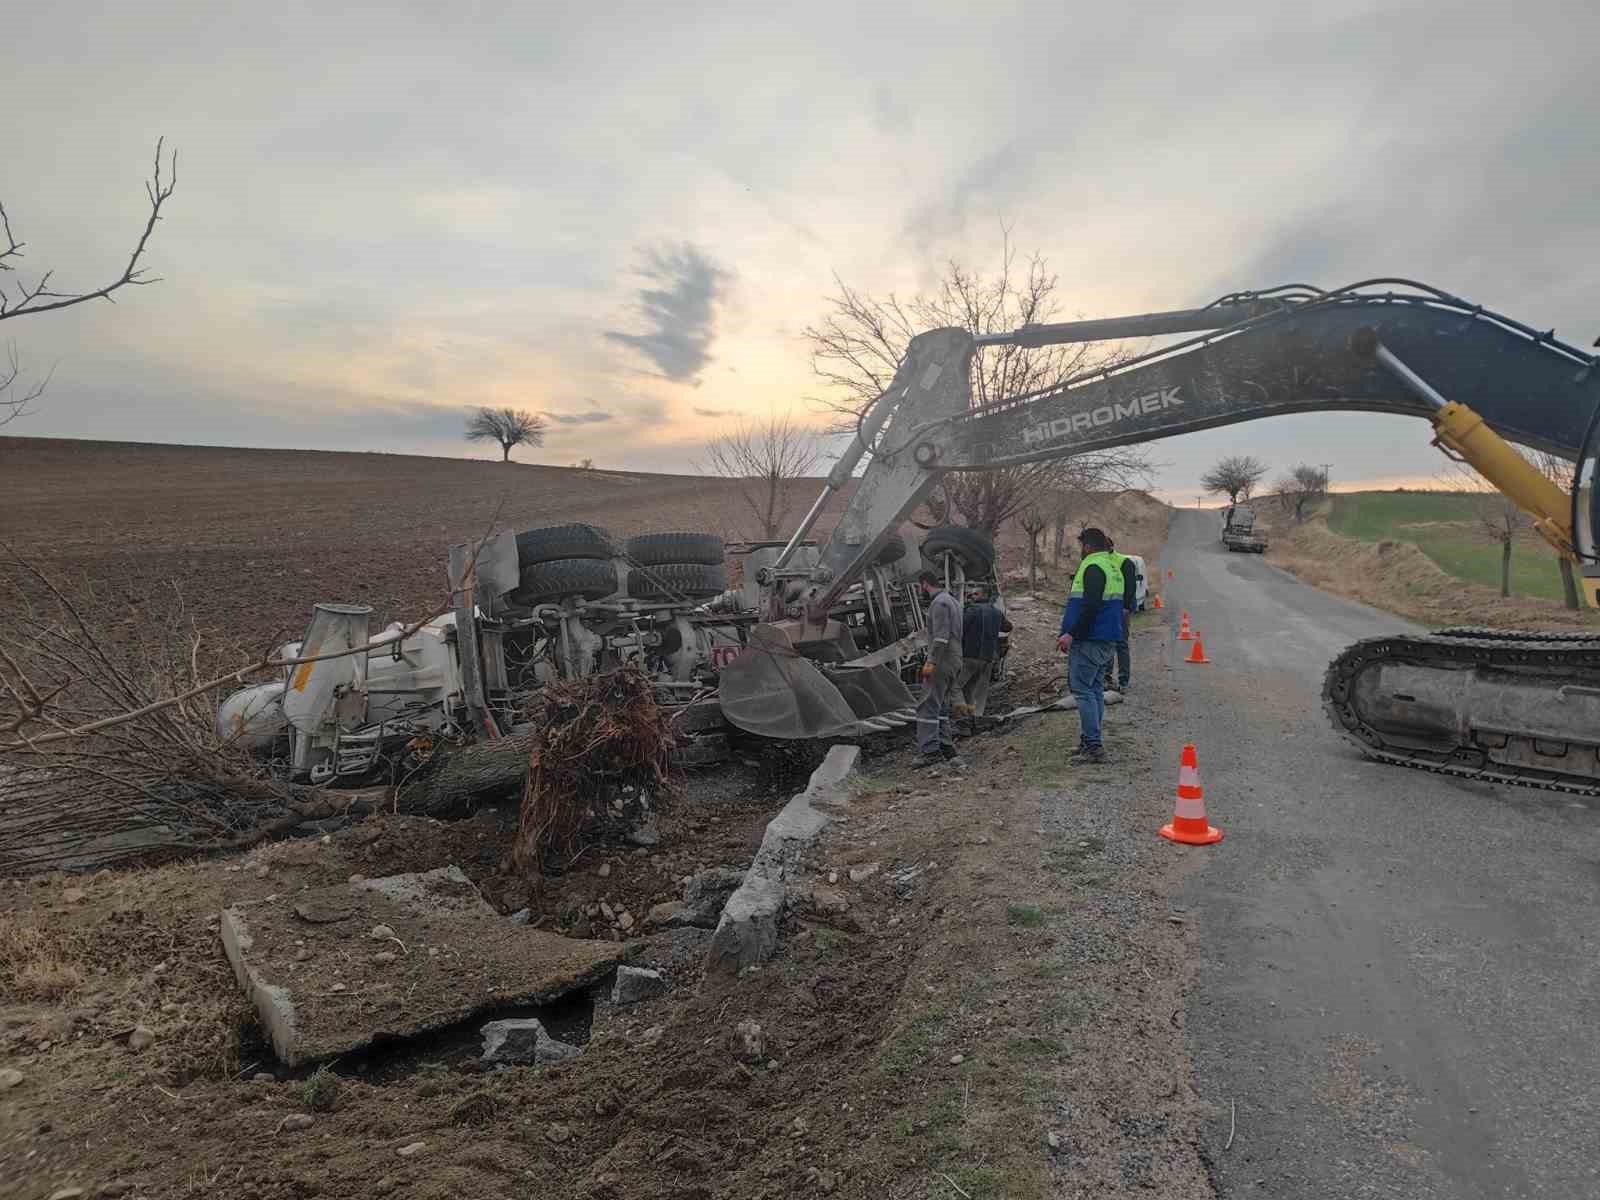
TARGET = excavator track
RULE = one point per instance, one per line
(1498, 706)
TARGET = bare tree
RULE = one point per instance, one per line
(1559, 471)
(861, 339)
(19, 298)
(1033, 518)
(510, 427)
(1234, 476)
(1301, 487)
(767, 457)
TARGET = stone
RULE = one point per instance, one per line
(385, 1185)
(652, 1035)
(263, 871)
(625, 920)
(10, 1077)
(522, 1040)
(1053, 1141)
(605, 871)
(749, 1042)
(821, 901)
(381, 933)
(707, 892)
(957, 1059)
(833, 877)
(297, 1122)
(67, 1193)
(73, 895)
(263, 1077)
(670, 914)
(141, 1037)
(863, 873)
(558, 1133)
(643, 835)
(635, 984)
(522, 916)
(384, 957)
(607, 911)
(412, 1150)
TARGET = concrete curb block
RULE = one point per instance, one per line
(271, 1003)
(748, 930)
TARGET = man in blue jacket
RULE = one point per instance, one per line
(1090, 629)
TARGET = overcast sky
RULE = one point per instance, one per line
(624, 216)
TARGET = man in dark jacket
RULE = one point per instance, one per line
(1090, 627)
(982, 623)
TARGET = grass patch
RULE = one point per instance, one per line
(320, 1090)
(1076, 855)
(1022, 1179)
(1444, 526)
(36, 963)
(1029, 916)
(1033, 1047)
(911, 1044)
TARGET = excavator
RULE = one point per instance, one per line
(818, 641)
(1503, 706)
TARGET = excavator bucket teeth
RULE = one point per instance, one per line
(871, 691)
(772, 691)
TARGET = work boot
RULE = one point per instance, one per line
(952, 756)
(1089, 754)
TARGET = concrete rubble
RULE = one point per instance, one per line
(324, 985)
(523, 1041)
(634, 984)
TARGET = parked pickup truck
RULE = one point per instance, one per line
(1238, 530)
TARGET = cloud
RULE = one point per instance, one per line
(583, 418)
(711, 412)
(679, 304)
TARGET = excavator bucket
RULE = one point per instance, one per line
(875, 694)
(775, 692)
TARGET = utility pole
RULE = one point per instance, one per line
(1326, 467)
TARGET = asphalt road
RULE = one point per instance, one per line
(1397, 988)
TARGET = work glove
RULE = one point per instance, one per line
(927, 671)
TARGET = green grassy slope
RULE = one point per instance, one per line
(1442, 526)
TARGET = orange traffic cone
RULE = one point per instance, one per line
(1184, 632)
(1189, 817)
(1197, 654)
(1169, 572)
(1155, 603)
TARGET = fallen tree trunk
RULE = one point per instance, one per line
(468, 777)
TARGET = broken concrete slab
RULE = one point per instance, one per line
(320, 993)
(748, 930)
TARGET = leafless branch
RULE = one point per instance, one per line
(14, 395)
(509, 427)
(40, 298)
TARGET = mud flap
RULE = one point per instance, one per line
(772, 691)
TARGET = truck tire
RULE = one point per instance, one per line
(557, 542)
(661, 549)
(893, 550)
(974, 548)
(669, 581)
(563, 578)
